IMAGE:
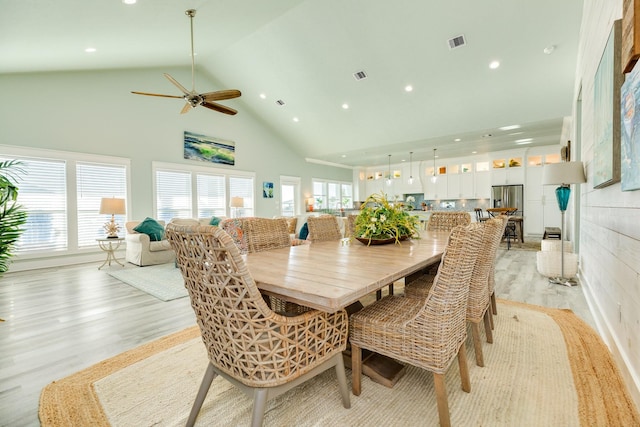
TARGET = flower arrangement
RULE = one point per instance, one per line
(380, 219)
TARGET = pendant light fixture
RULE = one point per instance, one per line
(434, 178)
(410, 168)
(389, 176)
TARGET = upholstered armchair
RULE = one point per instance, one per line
(141, 250)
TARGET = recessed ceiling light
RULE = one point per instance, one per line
(457, 140)
(295, 119)
(129, 1)
(474, 152)
(494, 65)
(345, 106)
(511, 127)
(90, 49)
(263, 96)
(524, 141)
(487, 135)
(549, 49)
(343, 156)
(408, 88)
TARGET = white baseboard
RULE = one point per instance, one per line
(629, 375)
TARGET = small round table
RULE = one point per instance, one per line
(110, 245)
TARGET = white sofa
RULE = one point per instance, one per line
(142, 251)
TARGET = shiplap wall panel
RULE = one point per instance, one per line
(609, 217)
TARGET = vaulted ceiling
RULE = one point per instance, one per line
(304, 53)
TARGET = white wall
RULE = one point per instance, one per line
(609, 232)
(94, 112)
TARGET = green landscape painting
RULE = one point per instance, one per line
(208, 149)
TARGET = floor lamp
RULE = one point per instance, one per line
(564, 174)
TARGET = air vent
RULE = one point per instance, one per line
(360, 75)
(280, 102)
(457, 42)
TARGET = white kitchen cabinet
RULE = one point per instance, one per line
(482, 185)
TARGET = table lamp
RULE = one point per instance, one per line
(237, 203)
(565, 174)
(112, 206)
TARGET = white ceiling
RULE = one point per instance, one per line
(305, 53)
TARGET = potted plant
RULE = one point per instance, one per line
(381, 221)
(12, 215)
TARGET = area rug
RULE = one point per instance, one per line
(546, 367)
(163, 281)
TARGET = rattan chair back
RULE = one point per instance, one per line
(446, 221)
(323, 228)
(246, 341)
(263, 234)
(350, 226)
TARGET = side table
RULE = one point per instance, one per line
(110, 246)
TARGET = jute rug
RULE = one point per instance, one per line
(163, 281)
(546, 367)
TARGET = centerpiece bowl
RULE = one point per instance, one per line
(382, 222)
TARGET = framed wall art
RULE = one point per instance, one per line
(267, 190)
(209, 149)
(630, 139)
(606, 121)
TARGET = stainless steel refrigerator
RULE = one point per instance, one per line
(508, 196)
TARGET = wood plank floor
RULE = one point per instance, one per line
(58, 321)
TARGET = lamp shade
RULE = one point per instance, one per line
(237, 202)
(563, 173)
(112, 206)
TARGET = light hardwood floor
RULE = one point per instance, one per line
(58, 321)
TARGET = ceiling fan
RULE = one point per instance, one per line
(192, 97)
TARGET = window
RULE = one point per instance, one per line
(43, 193)
(290, 196)
(95, 181)
(186, 192)
(61, 194)
(242, 187)
(332, 195)
(211, 195)
(173, 195)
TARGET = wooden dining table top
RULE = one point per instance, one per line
(332, 275)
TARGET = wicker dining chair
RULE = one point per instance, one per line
(478, 306)
(426, 333)
(492, 272)
(350, 225)
(323, 228)
(263, 234)
(259, 351)
(445, 221)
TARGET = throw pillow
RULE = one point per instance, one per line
(214, 221)
(304, 232)
(151, 228)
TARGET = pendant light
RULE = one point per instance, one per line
(410, 168)
(434, 178)
(389, 176)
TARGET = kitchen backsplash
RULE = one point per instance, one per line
(449, 204)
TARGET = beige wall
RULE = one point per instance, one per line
(609, 218)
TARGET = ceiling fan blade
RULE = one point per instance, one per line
(178, 85)
(187, 107)
(157, 94)
(219, 108)
(219, 95)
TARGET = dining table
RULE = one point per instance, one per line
(332, 275)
